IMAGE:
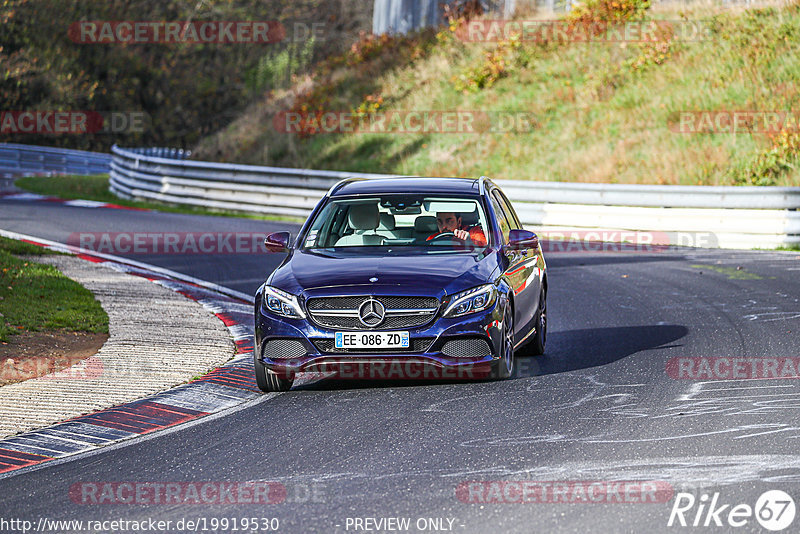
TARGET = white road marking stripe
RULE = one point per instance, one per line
(140, 438)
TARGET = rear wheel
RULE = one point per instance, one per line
(540, 338)
(504, 366)
(269, 381)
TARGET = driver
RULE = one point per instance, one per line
(447, 221)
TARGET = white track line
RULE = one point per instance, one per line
(160, 270)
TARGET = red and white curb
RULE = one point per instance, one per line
(224, 387)
(33, 197)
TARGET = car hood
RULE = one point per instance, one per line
(317, 273)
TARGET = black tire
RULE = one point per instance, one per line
(504, 366)
(269, 381)
(537, 344)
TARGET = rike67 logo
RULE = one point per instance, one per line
(774, 510)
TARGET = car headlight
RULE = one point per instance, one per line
(473, 300)
(282, 303)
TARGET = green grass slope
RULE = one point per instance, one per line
(36, 297)
(601, 112)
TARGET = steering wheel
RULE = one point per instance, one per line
(450, 236)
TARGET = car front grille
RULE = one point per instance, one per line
(400, 312)
(283, 349)
(415, 345)
(470, 347)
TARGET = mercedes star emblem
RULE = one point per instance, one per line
(371, 313)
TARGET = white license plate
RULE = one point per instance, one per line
(371, 340)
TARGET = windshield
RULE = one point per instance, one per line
(437, 223)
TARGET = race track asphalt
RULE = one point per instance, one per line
(598, 406)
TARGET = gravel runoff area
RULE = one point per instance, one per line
(157, 339)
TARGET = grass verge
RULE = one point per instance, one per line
(95, 187)
(36, 297)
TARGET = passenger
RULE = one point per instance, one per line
(451, 222)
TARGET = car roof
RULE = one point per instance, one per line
(414, 184)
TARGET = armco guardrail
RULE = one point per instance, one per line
(728, 217)
(18, 159)
(267, 190)
(660, 196)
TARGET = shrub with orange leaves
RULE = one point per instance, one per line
(654, 52)
(497, 64)
(371, 105)
(310, 107)
(595, 15)
(369, 46)
(770, 164)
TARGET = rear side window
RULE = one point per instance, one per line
(513, 220)
(502, 219)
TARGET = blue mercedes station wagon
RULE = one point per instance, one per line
(415, 278)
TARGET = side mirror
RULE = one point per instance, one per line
(522, 239)
(277, 242)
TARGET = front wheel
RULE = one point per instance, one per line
(269, 381)
(504, 366)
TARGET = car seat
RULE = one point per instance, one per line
(424, 227)
(362, 218)
(387, 225)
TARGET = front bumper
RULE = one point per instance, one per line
(425, 360)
